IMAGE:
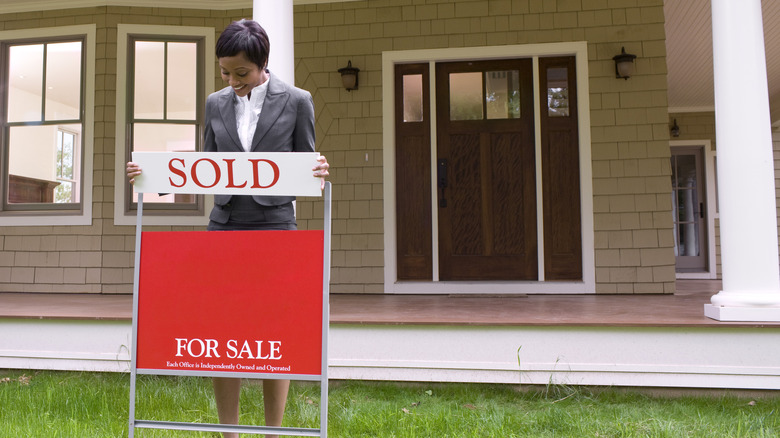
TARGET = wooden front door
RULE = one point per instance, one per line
(486, 174)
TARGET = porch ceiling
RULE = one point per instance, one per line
(689, 54)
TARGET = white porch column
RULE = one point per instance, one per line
(276, 17)
(746, 187)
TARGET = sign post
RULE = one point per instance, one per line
(243, 304)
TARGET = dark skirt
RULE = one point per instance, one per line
(245, 214)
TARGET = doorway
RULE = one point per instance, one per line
(500, 180)
(555, 191)
(690, 210)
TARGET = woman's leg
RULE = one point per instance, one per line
(274, 400)
(227, 392)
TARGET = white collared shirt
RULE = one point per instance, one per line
(248, 112)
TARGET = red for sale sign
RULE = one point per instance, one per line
(232, 301)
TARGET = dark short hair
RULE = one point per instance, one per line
(244, 36)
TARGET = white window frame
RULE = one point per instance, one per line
(578, 49)
(123, 32)
(54, 217)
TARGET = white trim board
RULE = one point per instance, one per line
(12, 6)
(534, 51)
(610, 356)
(64, 344)
(683, 357)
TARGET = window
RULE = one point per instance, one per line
(161, 80)
(413, 97)
(557, 92)
(164, 114)
(501, 95)
(46, 116)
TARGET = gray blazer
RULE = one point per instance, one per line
(286, 124)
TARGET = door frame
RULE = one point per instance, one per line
(577, 49)
(711, 197)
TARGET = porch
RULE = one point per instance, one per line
(622, 340)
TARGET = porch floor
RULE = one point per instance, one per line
(683, 309)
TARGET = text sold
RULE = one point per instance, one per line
(207, 173)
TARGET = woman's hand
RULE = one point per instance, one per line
(133, 170)
(320, 170)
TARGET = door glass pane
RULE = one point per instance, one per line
(502, 94)
(466, 96)
(36, 161)
(688, 243)
(687, 205)
(413, 98)
(159, 137)
(558, 92)
(63, 81)
(149, 80)
(181, 80)
(685, 171)
(25, 83)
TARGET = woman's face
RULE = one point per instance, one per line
(241, 73)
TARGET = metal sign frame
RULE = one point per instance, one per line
(246, 429)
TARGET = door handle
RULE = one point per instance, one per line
(441, 173)
(441, 180)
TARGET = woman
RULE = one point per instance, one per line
(256, 112)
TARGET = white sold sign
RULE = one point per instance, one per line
(238, 173)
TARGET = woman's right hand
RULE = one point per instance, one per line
(133, 170)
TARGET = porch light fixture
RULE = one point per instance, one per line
(624, 64)
(349, 76)
(675, 130)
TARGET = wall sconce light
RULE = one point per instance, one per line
(624, 64)
(349, 76)
(675, 130)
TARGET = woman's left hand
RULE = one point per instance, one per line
(321, 169)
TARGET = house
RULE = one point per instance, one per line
(489, 149)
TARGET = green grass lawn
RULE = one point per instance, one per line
(70, 404)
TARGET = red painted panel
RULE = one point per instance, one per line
(233, 301)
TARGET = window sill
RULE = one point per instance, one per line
(22, 220)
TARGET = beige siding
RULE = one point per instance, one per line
(629, 118)
(631, 184)
(97, 258)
